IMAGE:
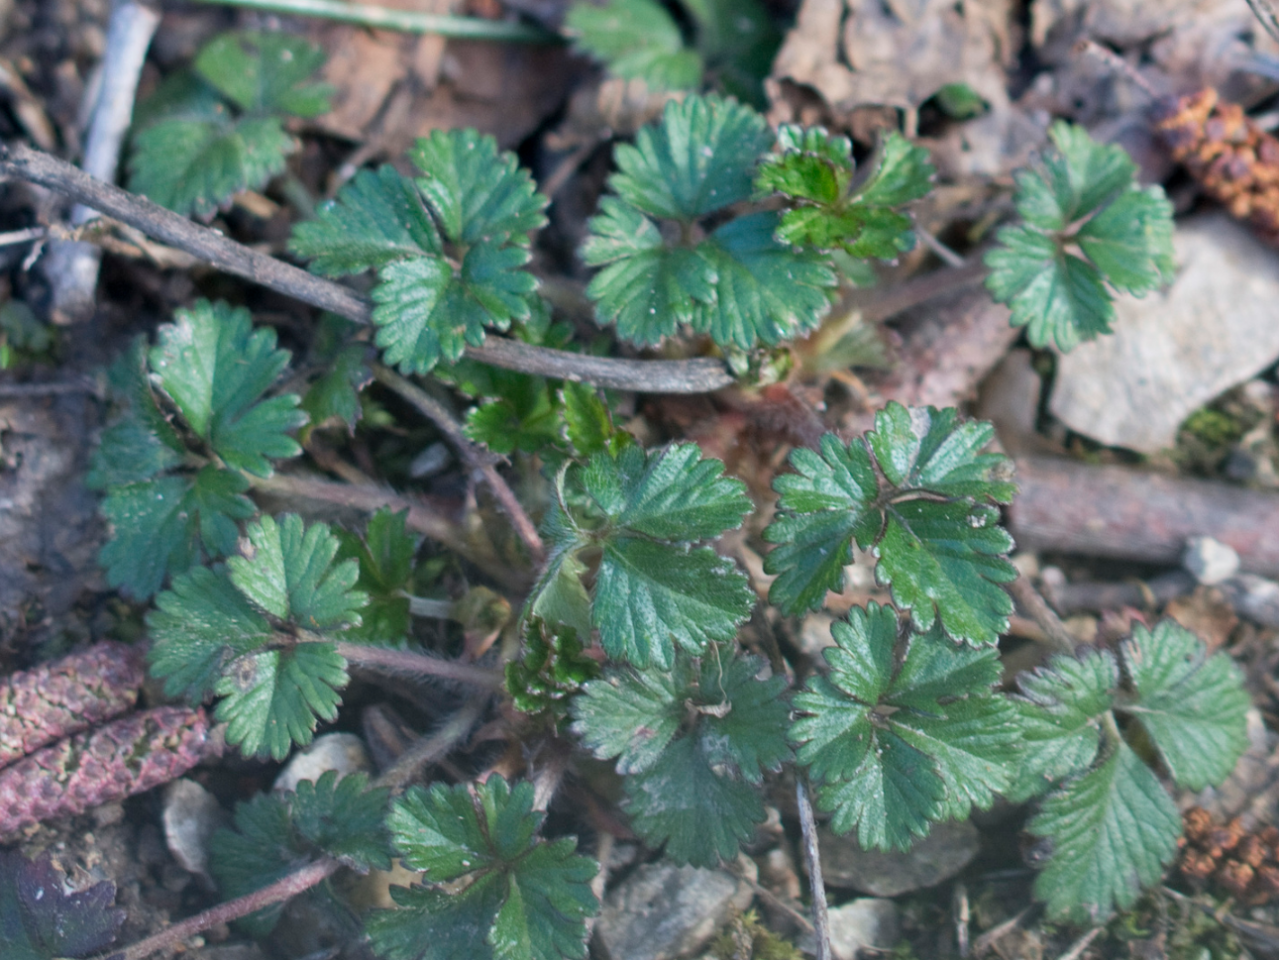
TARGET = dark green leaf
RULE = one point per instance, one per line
(262, 848)
(385, 556)
(343, 818)
(266, 72)
(141, 442)
(335, 394)
(636, 39)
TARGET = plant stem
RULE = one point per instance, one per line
(1024, 592)
(284, 888)
(433, 609)
(432, 748)
(20, 162)
(406, 21)
(475, 458)
(403, 662)
(812, 856)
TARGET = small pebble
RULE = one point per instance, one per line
(1209, 561)
(343, 752)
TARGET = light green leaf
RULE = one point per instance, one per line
(266, 72)
(636, 39)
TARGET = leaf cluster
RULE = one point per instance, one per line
(259, 633)
(917, 492)
(494, 890)
(274, 834)
(1111, 825)
(904, 731)
(1088, 229)
(193, 420)
(694, 743)
(216, 129)
(448, 246)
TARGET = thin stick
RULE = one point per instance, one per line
(20, 162)
(13, 391)
(1024, 592)
(445, 25)
(432, 748)
(284, 888)
(807, 825)
(961, 919)
(14, 237)
(475, 458)
(992, 936)
(1079, 946)
(406, 662)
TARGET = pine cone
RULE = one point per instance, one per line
(57, 699)
(136, 753)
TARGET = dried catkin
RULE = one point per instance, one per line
(66, 696)
(133, 754)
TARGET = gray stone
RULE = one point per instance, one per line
(1210, 561)
(663, 911)
(190, 816)
(865, 922)
(343, 752)
(949, 848)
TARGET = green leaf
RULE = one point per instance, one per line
(891, 754)
(164, 526)
(288, 570)
(385, 557)
(551, 670)
(525, 417)
(141, 442)
(588, 422)
(695, 744)
(698, 159)
(1088, 228)
(765, 291)
(377, 218)
(199, 625)
(335, 394)
(1192, 705)
(262, 848)
(525, 898)
(1113, 831)
(195, 164)
(266, 72)
(476, 192)
(41, 920)
(739, 41)
(215, 367)
(636, 39)
(343, 818)
(1062, 707)
(275, 698)
(929, 518)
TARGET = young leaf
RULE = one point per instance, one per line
(215, 367)
(653, 589)
(890, 753)
(636, 39)
(551, 670)
(525, 897)
(694, 744)
(815, 171)
(266, 72)
(385, 557)
(939, 543)
(1192, 705)
(448, 246)
(39, 920)
(1087, 226)
(1113, 830)
(334, 396)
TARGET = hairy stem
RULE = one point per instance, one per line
(1024, 592)
(20, 162)
(284, 888)
(812, 856)
(406, 662)
(475, 458)
(434, 747)
(406, 21)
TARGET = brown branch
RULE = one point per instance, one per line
(812, 856)
(20, 162)
(406, 662)
(297, 882)
(475, 458)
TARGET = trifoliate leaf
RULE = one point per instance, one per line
(694, 744)
(215, 367)
(1192, 705)
(1061, 716)
(815, 170)
(698, 159)
(636, 40)
(939, 543)
(891, 754)
(1112, 830)
(287, 569)
(526, 898)
(334, 396)
(385, 557)
(1087, 228)
(275, 698)
(199, 625)
(266, 72)
(765, 291)
(163, 526)
(39, 920)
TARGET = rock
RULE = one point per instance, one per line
(191, 816)
(1210, 561)
(865, 922)
(939, 856)
(663, 911)
(1173, 351)
(343, 752)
